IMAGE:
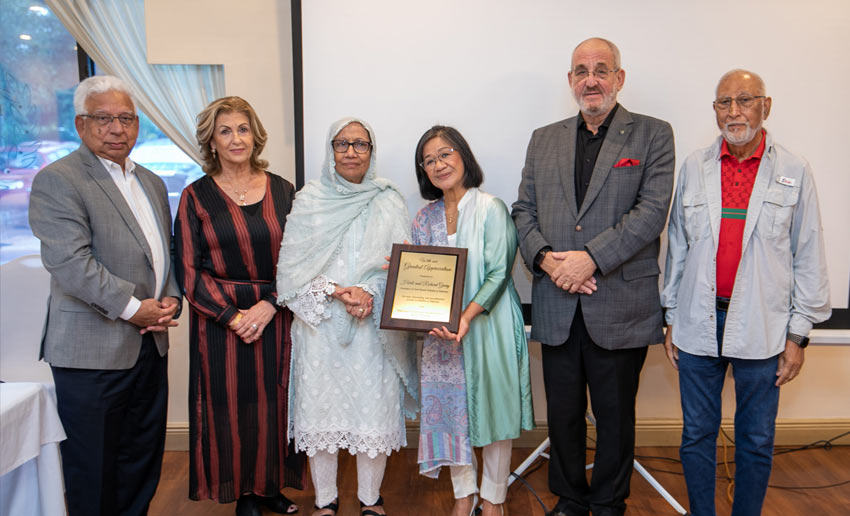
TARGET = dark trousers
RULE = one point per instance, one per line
(115, 423)
(612, 377)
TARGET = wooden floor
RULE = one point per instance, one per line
(409, 494)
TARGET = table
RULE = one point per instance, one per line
(30, 469)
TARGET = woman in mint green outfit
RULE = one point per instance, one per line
(476, 389)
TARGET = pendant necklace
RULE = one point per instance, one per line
(241, 194)
(449, 218)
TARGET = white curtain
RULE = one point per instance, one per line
(113, 34)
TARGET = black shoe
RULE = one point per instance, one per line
(247, 505)
(565, 507)
(279, 504)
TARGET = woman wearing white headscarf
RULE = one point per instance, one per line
(351, 383)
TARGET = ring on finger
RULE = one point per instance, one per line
(254, 326)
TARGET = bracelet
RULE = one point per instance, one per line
(236, 320)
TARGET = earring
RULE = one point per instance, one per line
(214, 154)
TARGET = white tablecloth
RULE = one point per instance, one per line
(30, 469)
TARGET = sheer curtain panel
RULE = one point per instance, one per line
(113, 34)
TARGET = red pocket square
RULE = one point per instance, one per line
(627, 162)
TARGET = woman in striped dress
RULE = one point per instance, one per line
(228, 232)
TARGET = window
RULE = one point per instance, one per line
(38, 73)
(156, 152)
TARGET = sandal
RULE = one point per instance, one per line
(370, 512)
(333, 506)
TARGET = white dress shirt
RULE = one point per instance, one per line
(140, 205)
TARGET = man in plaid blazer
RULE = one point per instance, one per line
(592, 203)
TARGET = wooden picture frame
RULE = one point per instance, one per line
(424, 288)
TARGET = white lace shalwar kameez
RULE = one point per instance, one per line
(345, 396)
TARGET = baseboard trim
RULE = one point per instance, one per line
(648, 432)
(177, 437)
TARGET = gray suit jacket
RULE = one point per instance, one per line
(619, 223)
(98, 258)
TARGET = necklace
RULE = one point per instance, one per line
(449, 217)
(241, 195)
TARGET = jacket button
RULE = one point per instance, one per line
(578, 228)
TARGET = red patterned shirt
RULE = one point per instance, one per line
(737, 179)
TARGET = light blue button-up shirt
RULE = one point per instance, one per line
(781, 285)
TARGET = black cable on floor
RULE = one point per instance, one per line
(825, 444)
(531, 489)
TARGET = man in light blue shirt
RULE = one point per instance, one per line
(745, 282)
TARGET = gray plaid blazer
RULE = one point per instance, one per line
(619, 223)
(98, 258)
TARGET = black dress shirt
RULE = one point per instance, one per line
(587, 150)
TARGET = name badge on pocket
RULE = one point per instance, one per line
(787, 181)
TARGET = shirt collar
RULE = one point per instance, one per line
(112, 167)
(724, 149)
(606, 123)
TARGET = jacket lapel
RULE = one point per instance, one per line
(101, 176)
(567, 162)
(618, 135)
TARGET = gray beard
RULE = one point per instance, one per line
(606, 106)
(740, 138)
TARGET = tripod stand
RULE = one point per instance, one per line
(540, 451)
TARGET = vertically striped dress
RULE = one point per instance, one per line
(226, 259)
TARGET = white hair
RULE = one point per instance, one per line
(98, 84)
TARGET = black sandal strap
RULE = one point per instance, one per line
(333, 506)
(370, 512)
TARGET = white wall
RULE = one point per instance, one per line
(497, 69)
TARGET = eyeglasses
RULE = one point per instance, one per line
(360, 147)
(600, 73)
(126, 120)
(743, 101)
(430, 161)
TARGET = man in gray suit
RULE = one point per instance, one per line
(592, 203)
(105, 230)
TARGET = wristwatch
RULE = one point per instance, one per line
(798, 339)
(540, 256)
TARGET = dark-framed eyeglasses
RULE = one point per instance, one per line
(126, 120)
(360, 147)
(743, 101)
(600, 73)
(430, 162)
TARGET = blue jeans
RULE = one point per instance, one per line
(757, 399)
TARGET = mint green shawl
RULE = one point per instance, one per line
(321, 216)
